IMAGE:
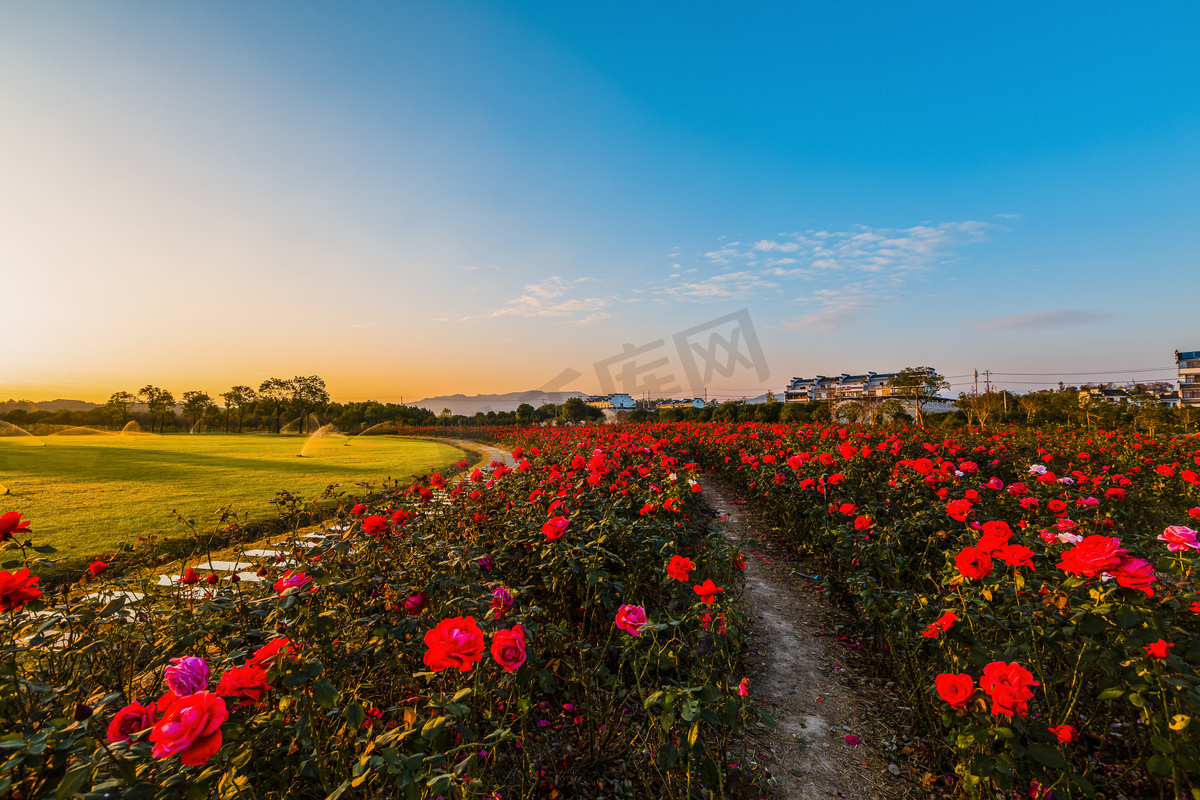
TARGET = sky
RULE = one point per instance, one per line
(424, 198)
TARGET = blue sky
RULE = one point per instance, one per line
(423, 198)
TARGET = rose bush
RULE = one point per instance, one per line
(357, 667)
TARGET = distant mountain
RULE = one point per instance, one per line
(469, 405)
(47, 405)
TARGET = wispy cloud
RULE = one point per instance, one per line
(726, 286)
(837, 276)
(1045, 320)
(548, 298)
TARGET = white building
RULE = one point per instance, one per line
(1187, 367)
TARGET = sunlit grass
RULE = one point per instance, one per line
(84, 494)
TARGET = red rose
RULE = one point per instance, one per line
(1009, 687)
(1057, 506)
(1115, 494)
(1064, 733)
(247, 683)
(707, 591)
(1159, 649)
(190, 728)
(863, 523)
(455, 642)
(1016, 555)
(130, 720)
(680, 568)
(958, 509)
(189, 577)
(957, 690)
(995, 535)
(10, 524)
(374, 525)
(1095, 554)
(940, 625)
(555, 527)
(973, 563)
(270, 654)
(17, 589)
(508, 648)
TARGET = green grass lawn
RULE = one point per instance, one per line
(84, 494)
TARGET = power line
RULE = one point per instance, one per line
(1110, 372)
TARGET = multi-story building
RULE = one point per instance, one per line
(1113, 397)
(846, 387)
(618, 400)
(1187, 367)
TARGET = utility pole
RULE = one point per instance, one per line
(987, 380)
(976, 382)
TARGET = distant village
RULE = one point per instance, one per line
(876, 386)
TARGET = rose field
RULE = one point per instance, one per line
(572, 626)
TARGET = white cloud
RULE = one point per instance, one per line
(546, 299)
(844, 274)
(726, 286)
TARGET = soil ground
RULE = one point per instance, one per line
(835, 736)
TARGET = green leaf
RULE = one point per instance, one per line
(432, 728)
(324, 693)
(1162, 744)
(1047, 756)
(73, 780)
(668, 757)
(1159, 764)
(460, 695)
(44, 548)
(709, 694)
(113, 606)
(355, 715)
(709, 772)
(1111, 693)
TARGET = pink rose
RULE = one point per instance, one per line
(1179, 538)
(508, 648)
(187, 675)
(190, 729)
(502, 600)
(290, 579)
(1135, 573)
(416, 603)
(632, 619)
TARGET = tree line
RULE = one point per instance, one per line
(302, 397)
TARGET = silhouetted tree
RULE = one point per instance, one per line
(308, 394)
(196, 405)
(242, 398)
(120, 402)
(159, 404)
(273, 393)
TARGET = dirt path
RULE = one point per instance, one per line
(798, 673)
